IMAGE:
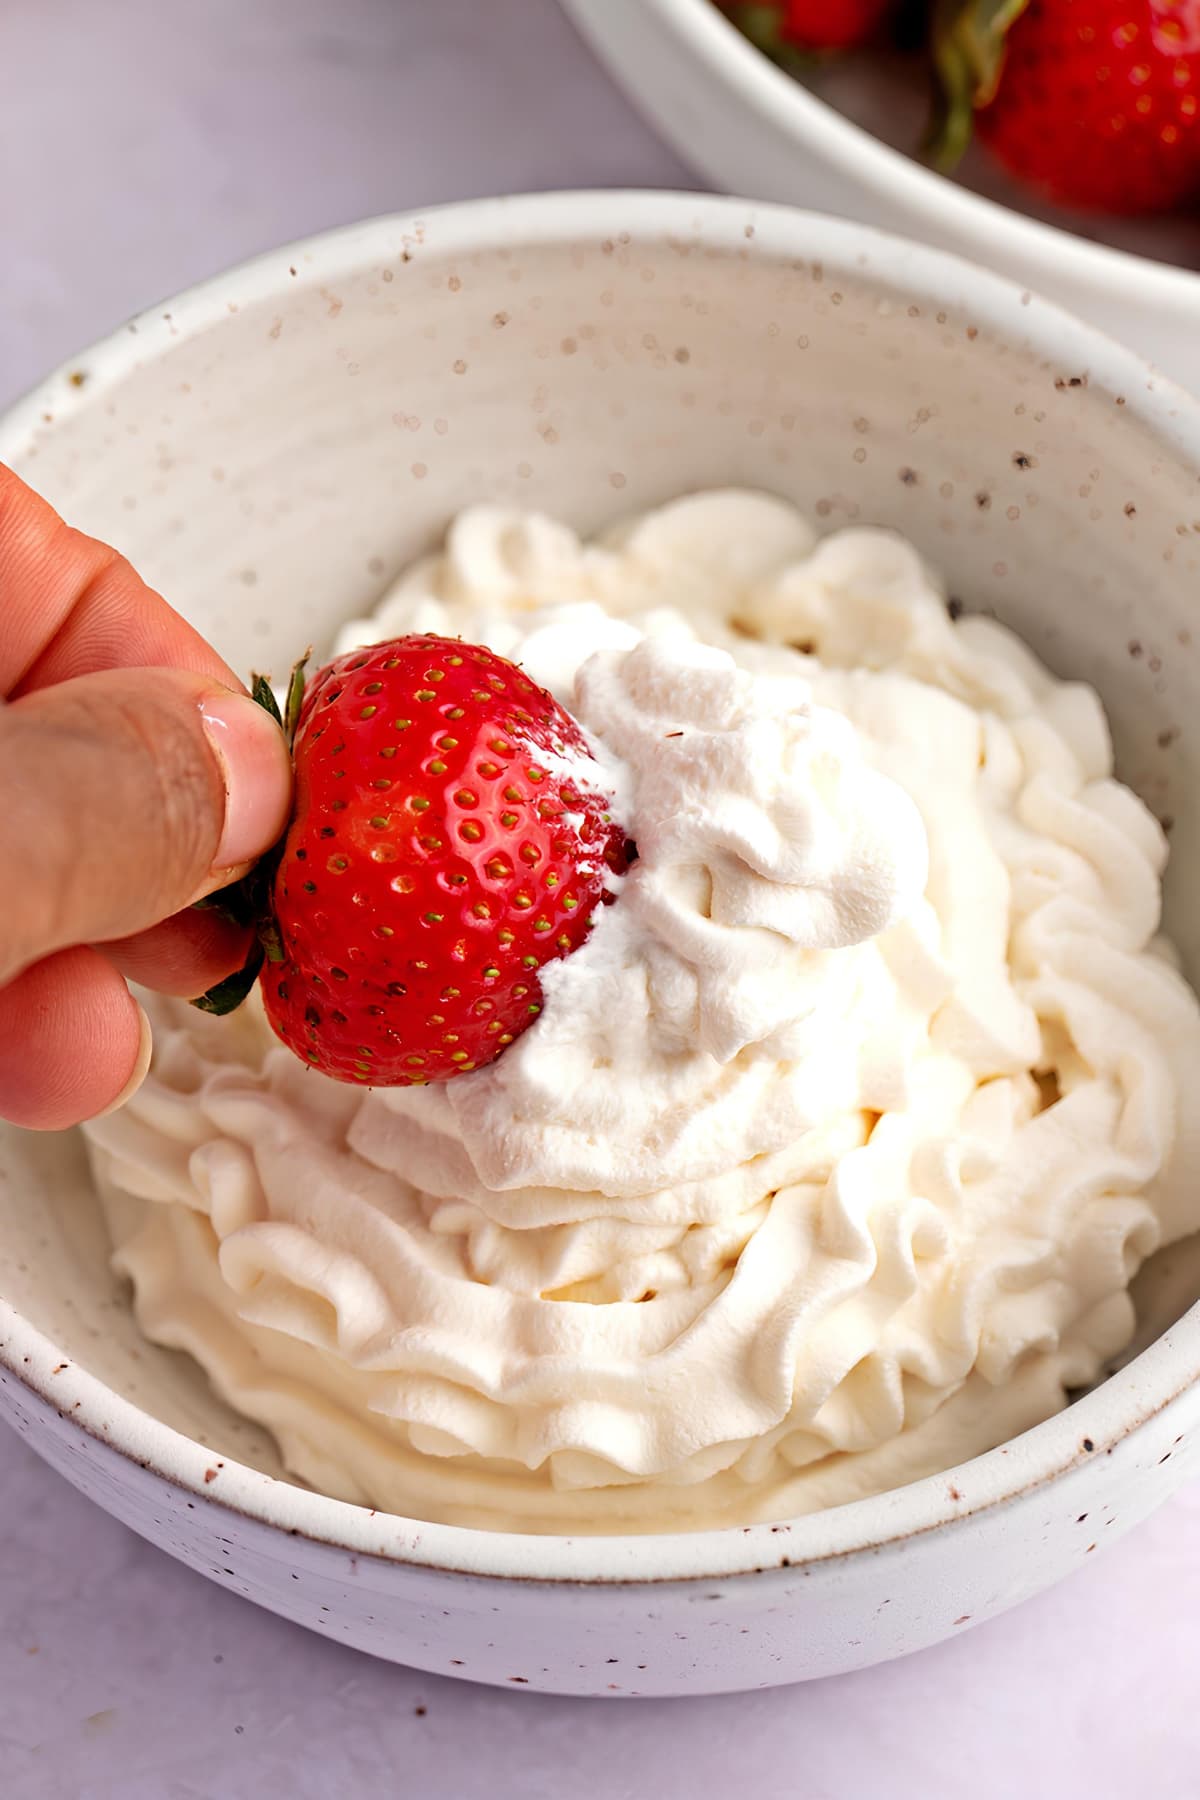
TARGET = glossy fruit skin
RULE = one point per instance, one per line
(1098, 103)
(451, 835)
(783, 28)
(831, 24)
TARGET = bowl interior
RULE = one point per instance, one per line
(272, 449)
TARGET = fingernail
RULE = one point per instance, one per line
(140, 1066)
(257, 773)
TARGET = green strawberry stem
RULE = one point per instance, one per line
(969, 40)
(248, 901)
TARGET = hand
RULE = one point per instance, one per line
(135, 776)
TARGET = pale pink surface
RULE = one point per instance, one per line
(184, 138)
(149, 1683)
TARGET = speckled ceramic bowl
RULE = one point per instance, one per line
(753, 129)
(269, 450)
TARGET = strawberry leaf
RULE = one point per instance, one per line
(263, 694)
(969, 43)
(248, 901)
(228, 995)
(295, 698)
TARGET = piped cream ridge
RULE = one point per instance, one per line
(832, 1153)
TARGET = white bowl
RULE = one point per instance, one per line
(269, 450)
(752, 129)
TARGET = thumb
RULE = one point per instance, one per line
(125, 795)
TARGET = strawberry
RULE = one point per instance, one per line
(781, 26)
(1094, 102)
(450, 836)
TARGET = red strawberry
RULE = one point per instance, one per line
(779, 25)
(450, 836)
(1094, 102)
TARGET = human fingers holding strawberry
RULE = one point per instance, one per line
(452, 833)
(135, 775)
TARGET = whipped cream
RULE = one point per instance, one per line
(832, 1153)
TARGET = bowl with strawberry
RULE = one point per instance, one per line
(461, 1225)
(1057, 143)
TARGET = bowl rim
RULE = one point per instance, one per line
(1092, 1425)
(946, 205)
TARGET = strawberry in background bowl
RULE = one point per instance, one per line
(1092, 104)
(784, 27)
(864, 110)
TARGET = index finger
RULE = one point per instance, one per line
(72, 606)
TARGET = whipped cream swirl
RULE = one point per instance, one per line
(833, 1151)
